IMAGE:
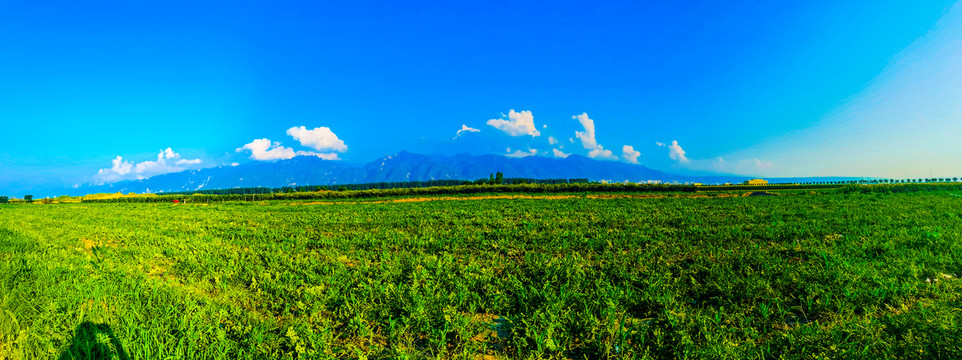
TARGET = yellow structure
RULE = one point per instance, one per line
(756, 182)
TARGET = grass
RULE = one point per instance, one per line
(826, 275)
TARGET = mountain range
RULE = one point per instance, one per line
(404, 166)
(401, 167)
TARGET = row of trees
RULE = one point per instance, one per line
(494, 179)
(499, 179)
(906, 181)
(440, 190)
(6, 199)
(902, 188)
(312, 188)
(884, 181)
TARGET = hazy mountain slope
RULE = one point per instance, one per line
(404, 166)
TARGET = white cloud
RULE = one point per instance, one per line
(518, 124)
(325, 156)
(552, 140)
(169, 154)
(150, 168)
(588, 141)
(120, 167)
(126, 170)
(320, 139)
(465, 128)
(521, 154)
(587, 137)
(630, 154)
(559, 153)
(600, 152)
(234, 164)
(675, 152)
(183, 162)
(263, 149)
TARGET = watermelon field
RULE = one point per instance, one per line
(796, 274)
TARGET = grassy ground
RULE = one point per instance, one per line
(795, 276)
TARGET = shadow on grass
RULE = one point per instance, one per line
(94, 341)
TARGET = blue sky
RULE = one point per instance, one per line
(856, 88)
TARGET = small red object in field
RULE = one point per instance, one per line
(176, 201)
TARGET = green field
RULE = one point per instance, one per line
(802, 275)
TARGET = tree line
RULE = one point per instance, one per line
(901, 188)
(437, 190)
(494, 179)
(6, 199)
(883, 181)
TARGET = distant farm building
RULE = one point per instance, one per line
(756, 182)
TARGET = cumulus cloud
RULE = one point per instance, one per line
(588, 140)
(600, 153)
(587, 137)
(552, 140)
(161, 165)
(183, 162)
(630, 154)
(120, 167)
(518, 124)
(266, 150)
(320, 139)
(675, 152)
(659, 143)
(521, 154)
(325, 156)
(168, 153)
(168, 161)
(559, 153)
(465, 128)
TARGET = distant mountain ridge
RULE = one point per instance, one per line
(403, 166)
